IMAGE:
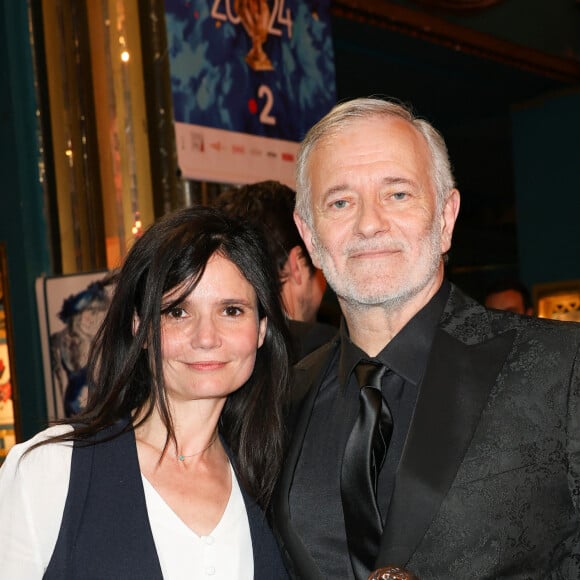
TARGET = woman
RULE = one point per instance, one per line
(170, 466)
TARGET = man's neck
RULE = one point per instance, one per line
(371, 328)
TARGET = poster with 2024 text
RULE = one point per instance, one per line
(248, 79)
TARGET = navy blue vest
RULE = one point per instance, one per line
(105, 532)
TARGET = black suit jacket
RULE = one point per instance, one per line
(489, 482)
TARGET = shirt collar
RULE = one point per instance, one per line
(406, 354)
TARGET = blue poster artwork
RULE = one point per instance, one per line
(259, 67)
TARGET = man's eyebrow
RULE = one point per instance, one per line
(398, 181)
(335, 189)
(342, 187)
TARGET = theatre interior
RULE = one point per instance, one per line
(98, 140)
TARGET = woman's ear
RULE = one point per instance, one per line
(263, 326)
(136, 325)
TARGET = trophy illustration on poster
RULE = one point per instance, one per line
(255, 17)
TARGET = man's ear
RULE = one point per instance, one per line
(306, 234)
(448, 219)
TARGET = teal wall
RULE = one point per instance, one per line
(22, 215)
(546, 150)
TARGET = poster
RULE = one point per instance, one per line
(248, 79)
(70, 311)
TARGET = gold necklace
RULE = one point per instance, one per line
(181, 457)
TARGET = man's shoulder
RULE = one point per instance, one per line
(308, 372)
(318, 357)
(469, 319)
(309, 336)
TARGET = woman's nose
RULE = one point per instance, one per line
(205, 333)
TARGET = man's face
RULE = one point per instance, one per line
(377, 232)
(511, 300)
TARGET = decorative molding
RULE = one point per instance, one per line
(460, 4)
(386, 14)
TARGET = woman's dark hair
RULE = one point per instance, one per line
(125, 367)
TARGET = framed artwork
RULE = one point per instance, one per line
(9, 410)
(70, 311)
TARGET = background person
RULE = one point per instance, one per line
(176, 453)
(269, 205)
(477, 410)
(509, 294)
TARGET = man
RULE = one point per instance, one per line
(481, 421)
(269, 205)
(509, 294)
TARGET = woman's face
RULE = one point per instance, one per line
(209, 341)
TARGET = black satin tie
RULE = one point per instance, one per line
(363, 458)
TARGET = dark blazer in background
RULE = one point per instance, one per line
(308, 336)
(489, 481)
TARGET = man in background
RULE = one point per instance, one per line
(509, 294)
(269, 205)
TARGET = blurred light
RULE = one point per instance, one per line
(137, 228)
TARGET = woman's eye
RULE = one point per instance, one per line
(233, 311)
(176, 312)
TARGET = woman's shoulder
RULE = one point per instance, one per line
(33, 490)
(48, 456)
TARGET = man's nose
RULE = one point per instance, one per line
(372, 218)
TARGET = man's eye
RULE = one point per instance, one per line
(339, 203)
(233, 311)
(399, 195)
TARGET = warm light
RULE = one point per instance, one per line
(137, 228)
(125, 56)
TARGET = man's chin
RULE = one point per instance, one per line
(369, 299)
(367, 296)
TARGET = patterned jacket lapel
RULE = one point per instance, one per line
(463, 366)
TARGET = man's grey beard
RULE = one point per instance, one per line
(390, 300)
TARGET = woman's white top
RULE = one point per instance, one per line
(32, 498)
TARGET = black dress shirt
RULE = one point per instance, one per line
(315, 504)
